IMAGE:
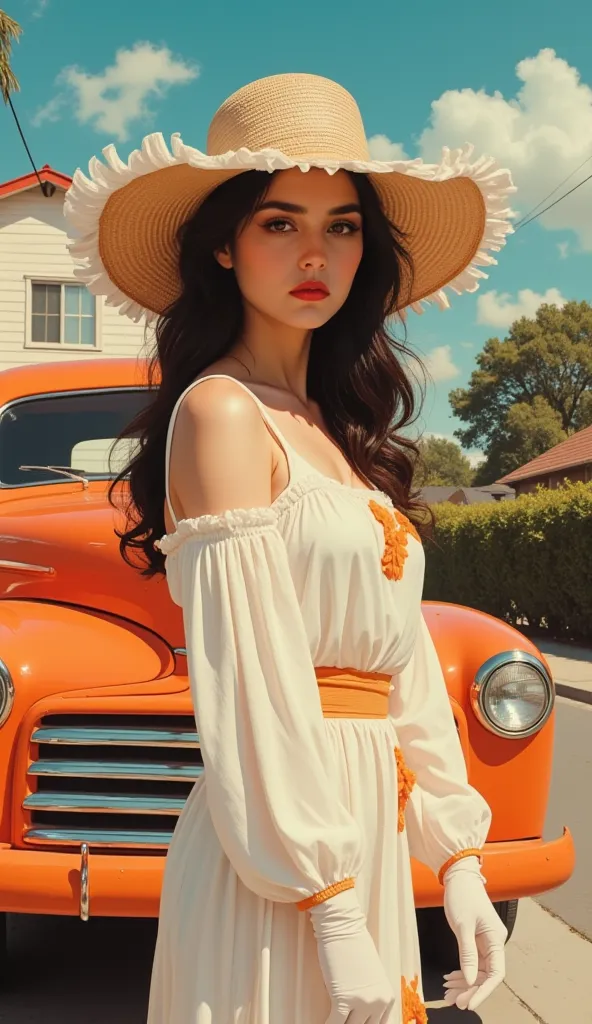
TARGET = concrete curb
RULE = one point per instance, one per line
(573, 693)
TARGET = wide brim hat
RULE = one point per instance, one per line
(124, 217)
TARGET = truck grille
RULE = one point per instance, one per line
(112, 781)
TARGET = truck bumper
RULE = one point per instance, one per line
(515, 869)
(43, 882)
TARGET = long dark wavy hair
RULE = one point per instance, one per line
(355, 370)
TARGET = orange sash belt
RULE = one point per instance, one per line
(349, 693)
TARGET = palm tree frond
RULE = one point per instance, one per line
(9, 33)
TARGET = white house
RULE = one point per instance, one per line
(45, 313)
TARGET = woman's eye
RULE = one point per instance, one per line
(350, 227)
(277, 226)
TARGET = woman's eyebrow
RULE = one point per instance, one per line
(277, 204)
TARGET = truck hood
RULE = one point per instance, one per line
(58, 543)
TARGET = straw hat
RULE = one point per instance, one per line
(125, 216)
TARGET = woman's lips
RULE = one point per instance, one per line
(310, 293)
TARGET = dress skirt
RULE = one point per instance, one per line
(227, 956)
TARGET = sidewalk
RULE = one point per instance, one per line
(548, 977)
(571, 667)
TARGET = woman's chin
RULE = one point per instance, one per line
(308, 317)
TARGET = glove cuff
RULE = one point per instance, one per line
(465, 860)
(338, 916)
(326, 894)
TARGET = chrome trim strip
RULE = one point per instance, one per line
(63, 394)
(29, 567)
(106, 838)
(61, 472)
(84, 883)
(116, 736)
(479, 690)
(180, 650)
(117, 770)
(6, 692)
(104, 803)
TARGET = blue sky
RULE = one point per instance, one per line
(514, 78)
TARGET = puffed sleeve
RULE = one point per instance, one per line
(268, 777)
(444, 815)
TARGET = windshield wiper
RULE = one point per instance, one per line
(62, 472)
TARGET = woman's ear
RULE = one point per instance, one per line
(224, 258)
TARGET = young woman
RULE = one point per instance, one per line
(273, 484)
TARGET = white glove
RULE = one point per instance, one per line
(354, 976)
(480, 933)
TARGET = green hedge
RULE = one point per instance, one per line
(527, 559)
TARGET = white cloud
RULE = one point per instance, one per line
(475, 458)
(542, 134)
(381, 148)
(439, 363)
(499, 310)
(467, 344)
(52, 111)
(40, 8)
(563, 247)
(117, 96)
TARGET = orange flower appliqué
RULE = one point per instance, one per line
(406, 524)
(414, 1011)
(406, 781)
(396, 528)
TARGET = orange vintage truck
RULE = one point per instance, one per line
(98, 747)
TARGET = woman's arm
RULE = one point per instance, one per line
(445, 816)
(221, 452)
(268, 773)
(447, 821)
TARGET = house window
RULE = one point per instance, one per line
(62, 314)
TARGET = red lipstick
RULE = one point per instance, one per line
(310, 291)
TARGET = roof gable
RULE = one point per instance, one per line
(28, 181)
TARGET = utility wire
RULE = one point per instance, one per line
(523, 223)
(553, 191)
(46, 186)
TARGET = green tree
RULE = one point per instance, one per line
(529, 430)
(531, 390)
(441, 463)
(9, 32)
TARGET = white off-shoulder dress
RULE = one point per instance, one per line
(291, 802)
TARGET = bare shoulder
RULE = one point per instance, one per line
(221, 452)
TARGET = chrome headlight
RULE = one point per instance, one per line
(6, 693)
(513, 694)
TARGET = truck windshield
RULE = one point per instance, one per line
(72, 430)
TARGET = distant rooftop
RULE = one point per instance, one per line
(574, 451)
(466, 495)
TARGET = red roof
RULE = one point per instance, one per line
(31, 180)
(574, 451)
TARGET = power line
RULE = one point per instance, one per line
(553, 191)
(523, 223)
(46, 186)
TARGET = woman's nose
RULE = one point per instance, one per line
(314, 259)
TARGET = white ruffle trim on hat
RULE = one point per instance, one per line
(87, 196)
